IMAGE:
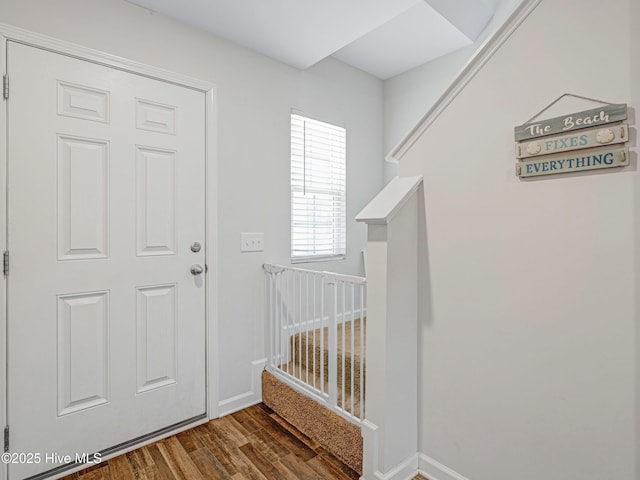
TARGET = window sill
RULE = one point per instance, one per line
(318, 258)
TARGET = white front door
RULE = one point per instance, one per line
(106, 321)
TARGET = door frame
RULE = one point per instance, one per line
(26, 37)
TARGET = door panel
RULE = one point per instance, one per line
(106, 324)
(83, 187)
(156, 192)
(156, 336)
(83, 351)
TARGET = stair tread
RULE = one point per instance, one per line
(320, 337)
(310, 358)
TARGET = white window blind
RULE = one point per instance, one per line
(318, 204)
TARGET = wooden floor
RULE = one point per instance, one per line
(253, 444)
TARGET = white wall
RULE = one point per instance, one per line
(255, 95)
(408, 96)
(529, 289)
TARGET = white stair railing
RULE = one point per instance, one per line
(317, 323)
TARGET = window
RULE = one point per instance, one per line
(318, 206)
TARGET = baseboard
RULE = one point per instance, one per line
(416, 464)
(239, 402)
(434, 470)
(405, 470)
(247, 399)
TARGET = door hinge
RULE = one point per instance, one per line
(6, 438)
(5, 87)
(5, 262)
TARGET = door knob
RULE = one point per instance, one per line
(196, 269)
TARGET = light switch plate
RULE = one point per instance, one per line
(252, 242)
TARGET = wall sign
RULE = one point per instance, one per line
(588, 140)
(584, 160)
(575, 121)
(593, 137)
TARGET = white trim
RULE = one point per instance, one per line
(386, 204)
(370, 449)
(239, 402)
(469, 70)
(252, 397)
(434, 470)
(26, 37)
(319, 258)
(45, 42)
(211, 252)
(405, 470)
(3, 247)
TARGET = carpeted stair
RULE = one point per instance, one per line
(328, 428)
(310, 361)
(335, 434)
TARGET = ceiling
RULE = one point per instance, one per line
(382, 37)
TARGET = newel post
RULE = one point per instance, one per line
(390, 427)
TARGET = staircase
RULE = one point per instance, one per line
(315, 373)
(310, 364)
